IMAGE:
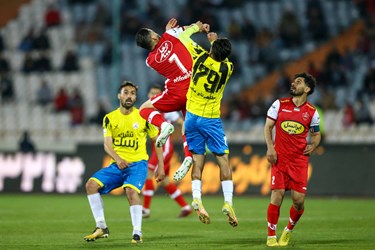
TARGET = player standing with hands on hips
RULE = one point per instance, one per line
(293, 118)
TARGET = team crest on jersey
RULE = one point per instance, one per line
(164, 51)
(305, 116)
(135, 125)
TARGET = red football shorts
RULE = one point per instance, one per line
(289, 176)
(167, 154)
(168, 101)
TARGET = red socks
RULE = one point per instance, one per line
(294, 217)
(273, 213)
(186, 147)
(175, 194)
(273, 217)
(171, 189)
(152, 116)
(148, 192)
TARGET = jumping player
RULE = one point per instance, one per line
(169, 57)
(169, 186)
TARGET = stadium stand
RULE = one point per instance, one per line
(264, 43)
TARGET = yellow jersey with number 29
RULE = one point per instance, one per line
(208, 81)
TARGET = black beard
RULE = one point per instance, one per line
(124, 105)
(292, 93)
(127, 107)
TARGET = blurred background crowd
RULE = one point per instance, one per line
(61, 62)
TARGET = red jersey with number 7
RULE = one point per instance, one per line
(172, 60)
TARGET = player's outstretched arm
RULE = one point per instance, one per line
(212, 36)
(206, 28)
(172, 23)
(203, 27)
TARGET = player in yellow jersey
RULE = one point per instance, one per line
(203, 126)
(125, 136)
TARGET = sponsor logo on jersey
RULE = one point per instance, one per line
(292, 127)
(182, 78)
(164, 51)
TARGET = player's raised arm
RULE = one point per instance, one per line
(185, 36)
(172, 23)
(203, 27)
(212, 37)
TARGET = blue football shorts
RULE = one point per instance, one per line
(112, 177)
(201, 131)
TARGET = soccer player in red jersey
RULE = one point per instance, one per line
(169, 186)
(169, 57)
(292, 118)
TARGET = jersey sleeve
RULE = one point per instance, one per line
(176, 32)
(273, 111)
(315, 121)
(107, 127)
(191, 46)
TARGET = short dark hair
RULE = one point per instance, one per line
(143, 39)
(221, 48)
(127, 83)
(309, 80)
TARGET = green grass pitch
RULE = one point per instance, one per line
(61, 221)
